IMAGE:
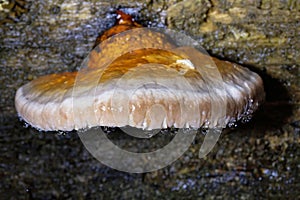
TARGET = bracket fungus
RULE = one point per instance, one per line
(138, 77)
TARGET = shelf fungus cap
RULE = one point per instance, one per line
(142, 78)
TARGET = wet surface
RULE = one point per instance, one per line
(257, 159)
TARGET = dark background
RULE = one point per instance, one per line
(260, 159)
